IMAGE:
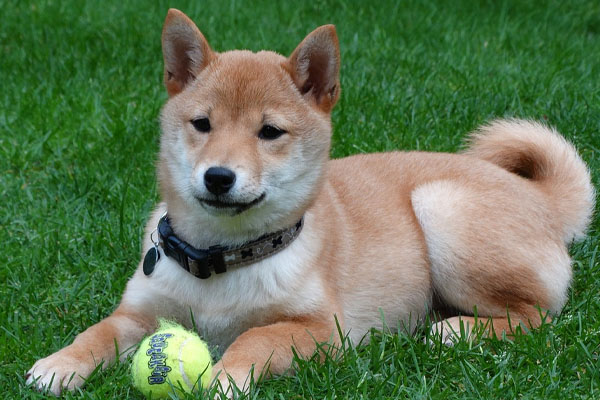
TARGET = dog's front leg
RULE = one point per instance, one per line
(267, 350)
(68, 368)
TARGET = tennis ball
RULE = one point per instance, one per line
(172, 358)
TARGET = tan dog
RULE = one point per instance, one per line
(244, 152)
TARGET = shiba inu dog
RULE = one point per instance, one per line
(264, 242)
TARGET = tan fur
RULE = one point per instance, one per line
(396, 234)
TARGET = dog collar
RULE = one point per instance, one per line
(202, 262)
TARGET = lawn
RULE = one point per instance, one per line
(81, 92)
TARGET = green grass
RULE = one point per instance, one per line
(81, 91)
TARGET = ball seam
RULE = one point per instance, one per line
(181, 365)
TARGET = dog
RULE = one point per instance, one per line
(265, 244)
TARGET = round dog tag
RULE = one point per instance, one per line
(150, 260)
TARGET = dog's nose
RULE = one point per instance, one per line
(219, 180)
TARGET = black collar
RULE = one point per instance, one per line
(217, 259)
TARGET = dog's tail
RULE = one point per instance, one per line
(542, 155)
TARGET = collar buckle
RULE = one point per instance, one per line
(192, 260)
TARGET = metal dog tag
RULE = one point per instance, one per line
(150, 260)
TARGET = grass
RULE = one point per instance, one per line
(81, 91)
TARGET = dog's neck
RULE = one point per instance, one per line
(202, 263)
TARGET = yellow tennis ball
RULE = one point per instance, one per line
(170, 360)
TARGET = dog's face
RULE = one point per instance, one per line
(245, 135)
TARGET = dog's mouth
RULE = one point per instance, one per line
(228, 206)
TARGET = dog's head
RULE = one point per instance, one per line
(246, 135)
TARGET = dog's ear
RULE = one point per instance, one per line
(315, 67)
(185, 51)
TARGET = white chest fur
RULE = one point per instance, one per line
(225, 305)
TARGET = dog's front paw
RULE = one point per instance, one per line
(59, 371)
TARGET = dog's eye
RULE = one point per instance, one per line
(269, 132)
(201, 124)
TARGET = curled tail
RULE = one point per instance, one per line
(541, 154)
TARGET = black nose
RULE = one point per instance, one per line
(219, 180)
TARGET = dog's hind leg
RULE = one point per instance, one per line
(490, 256)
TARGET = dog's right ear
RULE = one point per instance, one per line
(185, 51)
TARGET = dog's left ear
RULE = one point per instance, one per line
(315, 67)
(185, 50)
